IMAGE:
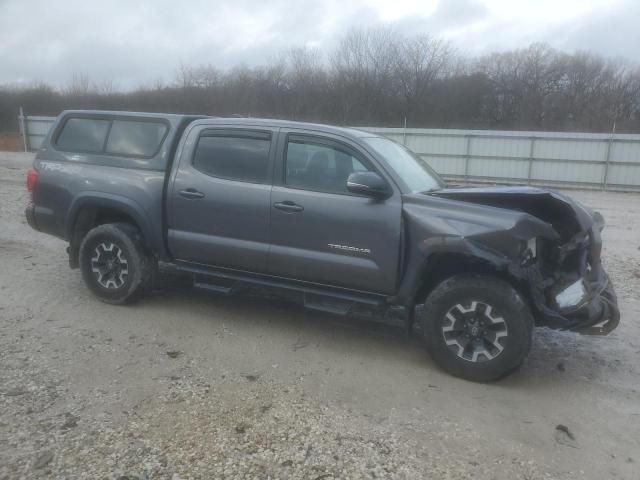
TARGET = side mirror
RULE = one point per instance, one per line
(368, 183)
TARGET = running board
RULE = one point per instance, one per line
(220, 286)
(316, 297)
(321, 303)
(326, 304)
(219, 289)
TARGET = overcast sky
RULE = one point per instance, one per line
(140, 42)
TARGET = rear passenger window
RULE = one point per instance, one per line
(83, 134)
(244, 158)
(136, 139)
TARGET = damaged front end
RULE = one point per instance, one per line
(561, 268)
(568, 286)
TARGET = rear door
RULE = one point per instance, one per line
(322, 233)
(219, 200)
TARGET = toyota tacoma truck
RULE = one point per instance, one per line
(340, 219)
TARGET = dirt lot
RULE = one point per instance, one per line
(189, 385)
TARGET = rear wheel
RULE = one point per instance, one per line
(477, 327)
(115, 266)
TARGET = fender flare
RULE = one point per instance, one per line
(115, 202)
(422, 257)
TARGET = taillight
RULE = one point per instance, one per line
(32, 179)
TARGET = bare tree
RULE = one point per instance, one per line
(79, 86)
(363, 73)
(306, 83)
(105, 87)
(420, 62)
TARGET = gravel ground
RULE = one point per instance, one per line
(189, 385)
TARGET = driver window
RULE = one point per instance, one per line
(319, 167)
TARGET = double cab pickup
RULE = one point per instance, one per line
(340, 219)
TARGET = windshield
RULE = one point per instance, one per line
(413, 171)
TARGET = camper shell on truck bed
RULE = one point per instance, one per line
(128, 178)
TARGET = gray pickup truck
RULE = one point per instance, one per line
(342, 220)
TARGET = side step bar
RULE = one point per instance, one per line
(315, 297)
(219, 289)
(328, 304)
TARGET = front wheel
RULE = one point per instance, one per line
(477, 327)
(114, 263)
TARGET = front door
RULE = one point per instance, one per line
(219, 201)
(322, 233)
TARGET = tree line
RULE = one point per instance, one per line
(379, 77)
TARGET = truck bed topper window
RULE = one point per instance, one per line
(83, 135)
(137, 138)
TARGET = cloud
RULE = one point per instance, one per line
(133, 43)
(610, 32)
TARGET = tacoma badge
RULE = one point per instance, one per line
(348, 248)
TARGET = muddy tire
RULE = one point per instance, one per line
(477, 327)
(114, 263)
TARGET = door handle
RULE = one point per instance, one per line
(288, 206)
(191, 193)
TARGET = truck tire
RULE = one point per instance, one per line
(114, 264)
(477, 327)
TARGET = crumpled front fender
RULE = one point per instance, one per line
(498, 237)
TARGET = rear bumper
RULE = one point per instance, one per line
(43, 220)
(30, 213)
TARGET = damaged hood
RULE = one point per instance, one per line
(565, 215)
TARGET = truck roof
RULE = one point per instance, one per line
(122, 113)
(245, 121)
(272, 122)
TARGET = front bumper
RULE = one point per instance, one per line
(598, 316)
(597, 313)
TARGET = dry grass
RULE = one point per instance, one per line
(11, 142)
